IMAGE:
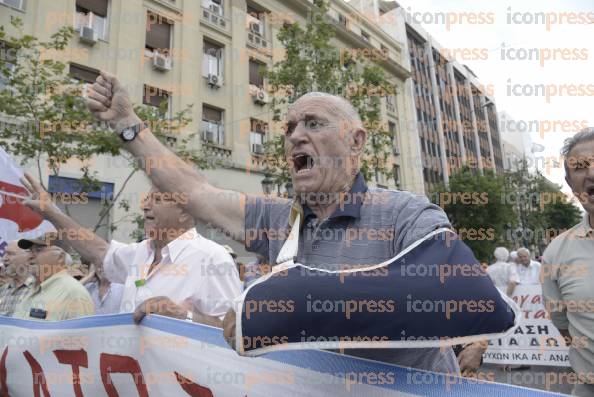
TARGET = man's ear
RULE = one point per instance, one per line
(185, 217)
(358, 138)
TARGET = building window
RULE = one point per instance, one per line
(88, 214)
(390, 105)
(365, 36)
(158, 33)
(255, 21)
(258, 130)
(83, 74)
(256, 77)
(215, 6)
(342, 20)
(212, 125)
(212, 62)
(19, 4)
(8, 60)
(158, 98)
(93, 14)
(392, 130)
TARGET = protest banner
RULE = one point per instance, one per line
(536, 341)
(111, 356)
(16, 220)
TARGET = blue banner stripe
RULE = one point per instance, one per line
(429, 383)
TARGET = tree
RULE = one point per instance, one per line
(312, 63)
(46, 117)
(477, 209)
(543, 210)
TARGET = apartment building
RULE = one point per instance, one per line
(456, 118)
(208, 54)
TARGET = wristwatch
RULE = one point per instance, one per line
(128, 134)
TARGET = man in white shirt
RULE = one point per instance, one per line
(502, 273)
(174, 272)
(528, 270)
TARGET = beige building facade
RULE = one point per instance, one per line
(208, 54)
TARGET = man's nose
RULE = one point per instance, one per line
(299, 135)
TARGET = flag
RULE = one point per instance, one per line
(432, 294)
(16, 219)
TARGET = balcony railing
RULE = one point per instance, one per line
(214, 17)
(256, 36)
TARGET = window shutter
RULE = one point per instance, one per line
(158, 33)
(81, 73)
(97, 7)
(211, 114)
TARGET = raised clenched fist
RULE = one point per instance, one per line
(109, 101)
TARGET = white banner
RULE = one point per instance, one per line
(111, 356)
(16, 220)
(536, 341)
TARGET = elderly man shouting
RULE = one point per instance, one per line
(336, 225)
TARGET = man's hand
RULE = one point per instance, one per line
(470, 358)
(159, 305)
(109, 101)
(40, 200)
(166, 307)
(229, 328)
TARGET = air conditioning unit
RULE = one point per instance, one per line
(256, 27)
(215, 8)
(88, 35)
(261, 97)
(161, 62)
(214, 80)
(257, 148)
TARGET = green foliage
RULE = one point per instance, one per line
(313, 63)
(46, 113)
(542, 209)
(48, 119)
(476, 210)
(512, 210)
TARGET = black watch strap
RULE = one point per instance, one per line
(128, 134)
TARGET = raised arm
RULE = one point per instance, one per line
(109, 101)
(90, 247)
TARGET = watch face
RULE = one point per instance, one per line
(128, 134)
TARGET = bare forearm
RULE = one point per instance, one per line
(511, 287)
(90, 247)
(221, 208)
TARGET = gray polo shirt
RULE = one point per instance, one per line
(568, 278)
(372, 226)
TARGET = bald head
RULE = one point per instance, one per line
(336, 104)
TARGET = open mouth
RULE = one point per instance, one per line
(302, 163)
(149, 218)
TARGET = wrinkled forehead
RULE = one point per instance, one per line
(326, 107)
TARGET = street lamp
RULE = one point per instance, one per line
(289, 189)
(267, 185)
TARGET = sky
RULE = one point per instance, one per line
(480, 29)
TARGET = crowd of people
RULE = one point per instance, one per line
(513, 268)
(177, 272)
